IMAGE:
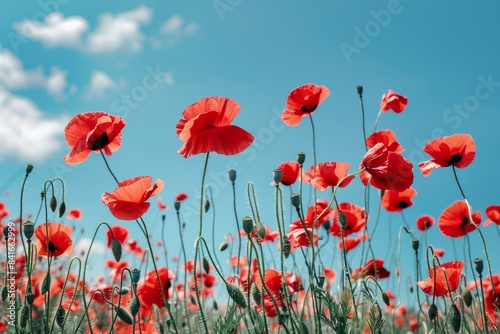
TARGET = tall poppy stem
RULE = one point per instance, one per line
(181, 235)
(198, 300)
(108, 167)
(360, 93)
(237, 223)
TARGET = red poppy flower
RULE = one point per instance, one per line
(92, 131)
(439, 252)
(396, 201)
(329, 274)
(161, 205)
(493, 213)
(120, 233)
(74, 214)
(329, 174)
(129, 201)
(386, 170)
(303, 101)
(315, 213)
(350, 243)
(356, 219)
(148, 290)
(491, 293)
(59, 240)
(307, 176)
(456, 150)
(436, 284)
(206, 127)
(181, 197)
(373, 267)
(454, 221)
(290, 171)
(386, 137)
(425, 222)
(299, 238)
(394, 101)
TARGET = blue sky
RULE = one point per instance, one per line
(60, 58)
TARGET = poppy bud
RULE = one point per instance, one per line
(277, 175)
(415, 243)
(256, 294)
(467, 296)
(478, 263)
(30, 298)
(386, 299)
(232, 175)
(53, 203)
(62, 209)
(29, 169)
(123, 291)
(236, 295)
(28, 229)
(247, 225)
(342, 219)
(163, 217)
(433, 312)
(326, 225)
(359, 90)
(261, 229)
(5, 293)
(135, 304)
(456, 318)
(60, 313)
(116, 249)
(124, 315)
(23, 321)
(286, 246)
(45, 284)
(136, 275)
(410, 288)
(216, 306)
(207, 205)
(223, 246)
(177, 205)
(295, 200)
(301, 157)
(206, 265)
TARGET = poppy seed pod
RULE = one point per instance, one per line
(359, 90)
(232, 175)
(136, 275)
(301, 157)
(478, 263)
(277, 175)
(29, 169)
(6, 232)
(177, 205)
(415, 243)
(295, 200)
(28, 229)
(247, 225)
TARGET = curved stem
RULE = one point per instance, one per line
(107, 166)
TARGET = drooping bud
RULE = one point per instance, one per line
(261, 229)
(415, 243)
(124, 315)
(116, 249)
(223, 246)
(236, 295)
(207, 205)
(467, 296)
(247, 225)
(232, 175)
(301, 157)
(53, 203)
(277, 175)
(386, 299)
(206, 265)
(433, 312)
(62, 209)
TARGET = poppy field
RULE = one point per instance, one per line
(280, 276)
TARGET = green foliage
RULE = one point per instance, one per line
(229, 323)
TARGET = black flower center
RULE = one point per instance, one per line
(455, 158)
(52, 247)
(403, 205)
(100, 142)
(465, 220)
(308, 109)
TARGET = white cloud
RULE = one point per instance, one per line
(100, 82)
(175, 28)
(119, 31)
(83, 245)
(24, 132)
(56, 83)
(56, 30)
(14, 76)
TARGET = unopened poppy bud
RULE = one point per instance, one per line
(256, 294)
(410, 288)
(236, 295)
(207, 205)
(62, 209)
(163, 217)
(124, 315)
(415, 243)
(433, 312)
(301, 157)
(29, 169)
(326, 225)
(216, 306)
(286, 246)
(177, 205)
(456, 318)
(277, 175)
(359, 90)
(60, 313)
(342, 219)
(223, 246)
(295, 200)
(247, 225)
(45, 284)
(5, 293)
(134, 305)
(23, 321)
(232, 175)
(53, 203)
(28, 229)
(136, 275)
(116, 249)
(467, 296)
(206, 265)
(386, 299)
(261, 229)
(30, 298)
(478, 263)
